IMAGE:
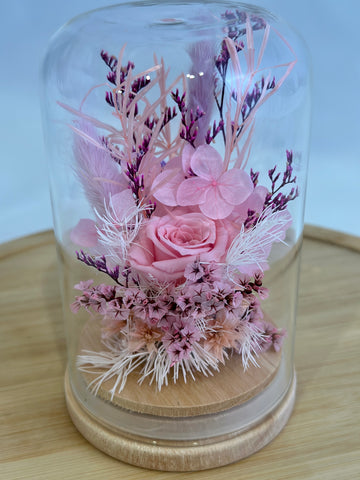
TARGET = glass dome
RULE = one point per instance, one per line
(177, 134)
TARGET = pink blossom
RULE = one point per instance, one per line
(142, 336)
(185, 301)
(134, 296)
(179, 339)
(94, 298)
(166, 245)
(272, 336)
(222, 333)
(194, 271)
(202, 300)
(156, 310)
(178, 351)
(115, 310)
(215, 191)
(227, 297)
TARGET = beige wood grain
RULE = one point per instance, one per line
(320, 441)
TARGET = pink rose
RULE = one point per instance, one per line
(165, 245)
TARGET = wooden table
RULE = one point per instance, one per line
(321, 440)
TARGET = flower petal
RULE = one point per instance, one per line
(165, 185)
(123, 204)
(254, 202)
(207, 163)
(235, 186)
(192, 191)
(85, 233)
(215, 206)
(187, 153)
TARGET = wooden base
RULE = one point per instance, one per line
(180, 456)
(226, 388)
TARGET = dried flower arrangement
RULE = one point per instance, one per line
(183, 232)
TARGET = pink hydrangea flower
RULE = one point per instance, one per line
(215, 191)
(165, 185)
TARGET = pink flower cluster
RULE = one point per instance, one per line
(205, 310)
(183, 232)
(199, 211)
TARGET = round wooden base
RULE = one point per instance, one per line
(226, 388)
(180, 456)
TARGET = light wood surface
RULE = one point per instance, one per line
(320, 441)
(174, 456)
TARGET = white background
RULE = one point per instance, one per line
(331, 30)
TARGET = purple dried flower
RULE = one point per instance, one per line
(254, 177)
(189, 121)
(179, 339)
(185, 300)
(194, 271)
(180, 101)
(116, 309)
(253, 97)
(111, 76)
(210, 137)
(100, 264)
(139, 83)
(109, 99)
(275, 198)
(110, 61)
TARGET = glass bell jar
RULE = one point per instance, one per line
(177, 135)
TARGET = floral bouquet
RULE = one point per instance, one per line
(182, 231)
